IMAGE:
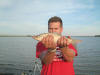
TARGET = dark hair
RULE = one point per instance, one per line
(55, 19)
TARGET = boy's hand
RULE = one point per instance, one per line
(62, 42)
(48, 41)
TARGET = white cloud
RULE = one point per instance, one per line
(6, 3)
(22, 10)
(81, 30)
(20, 28)
(28, 16)
(44, 6)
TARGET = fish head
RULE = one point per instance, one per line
(36, 38)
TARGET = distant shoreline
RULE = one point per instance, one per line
(15, 35)
(31, 36)
(97, 35)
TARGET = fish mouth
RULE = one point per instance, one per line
(34, 37)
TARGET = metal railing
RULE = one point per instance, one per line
(36, 66)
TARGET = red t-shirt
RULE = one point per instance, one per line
(58, 65)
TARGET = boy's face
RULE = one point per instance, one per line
(55, 27)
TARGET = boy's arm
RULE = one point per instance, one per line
(68, 50)
(49, 54)
(68, 54)
(47, 57)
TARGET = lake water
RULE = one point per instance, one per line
(17, 56)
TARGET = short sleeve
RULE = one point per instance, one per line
(73, 48)
(39, 49)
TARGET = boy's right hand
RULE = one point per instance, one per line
(48, 42)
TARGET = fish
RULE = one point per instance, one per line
(56, 37)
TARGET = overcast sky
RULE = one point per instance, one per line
(22, 17)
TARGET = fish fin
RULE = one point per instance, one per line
(76, 41)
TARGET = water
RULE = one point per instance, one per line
(88, 60)
(17, 55)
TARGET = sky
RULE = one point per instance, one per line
(29, 17)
